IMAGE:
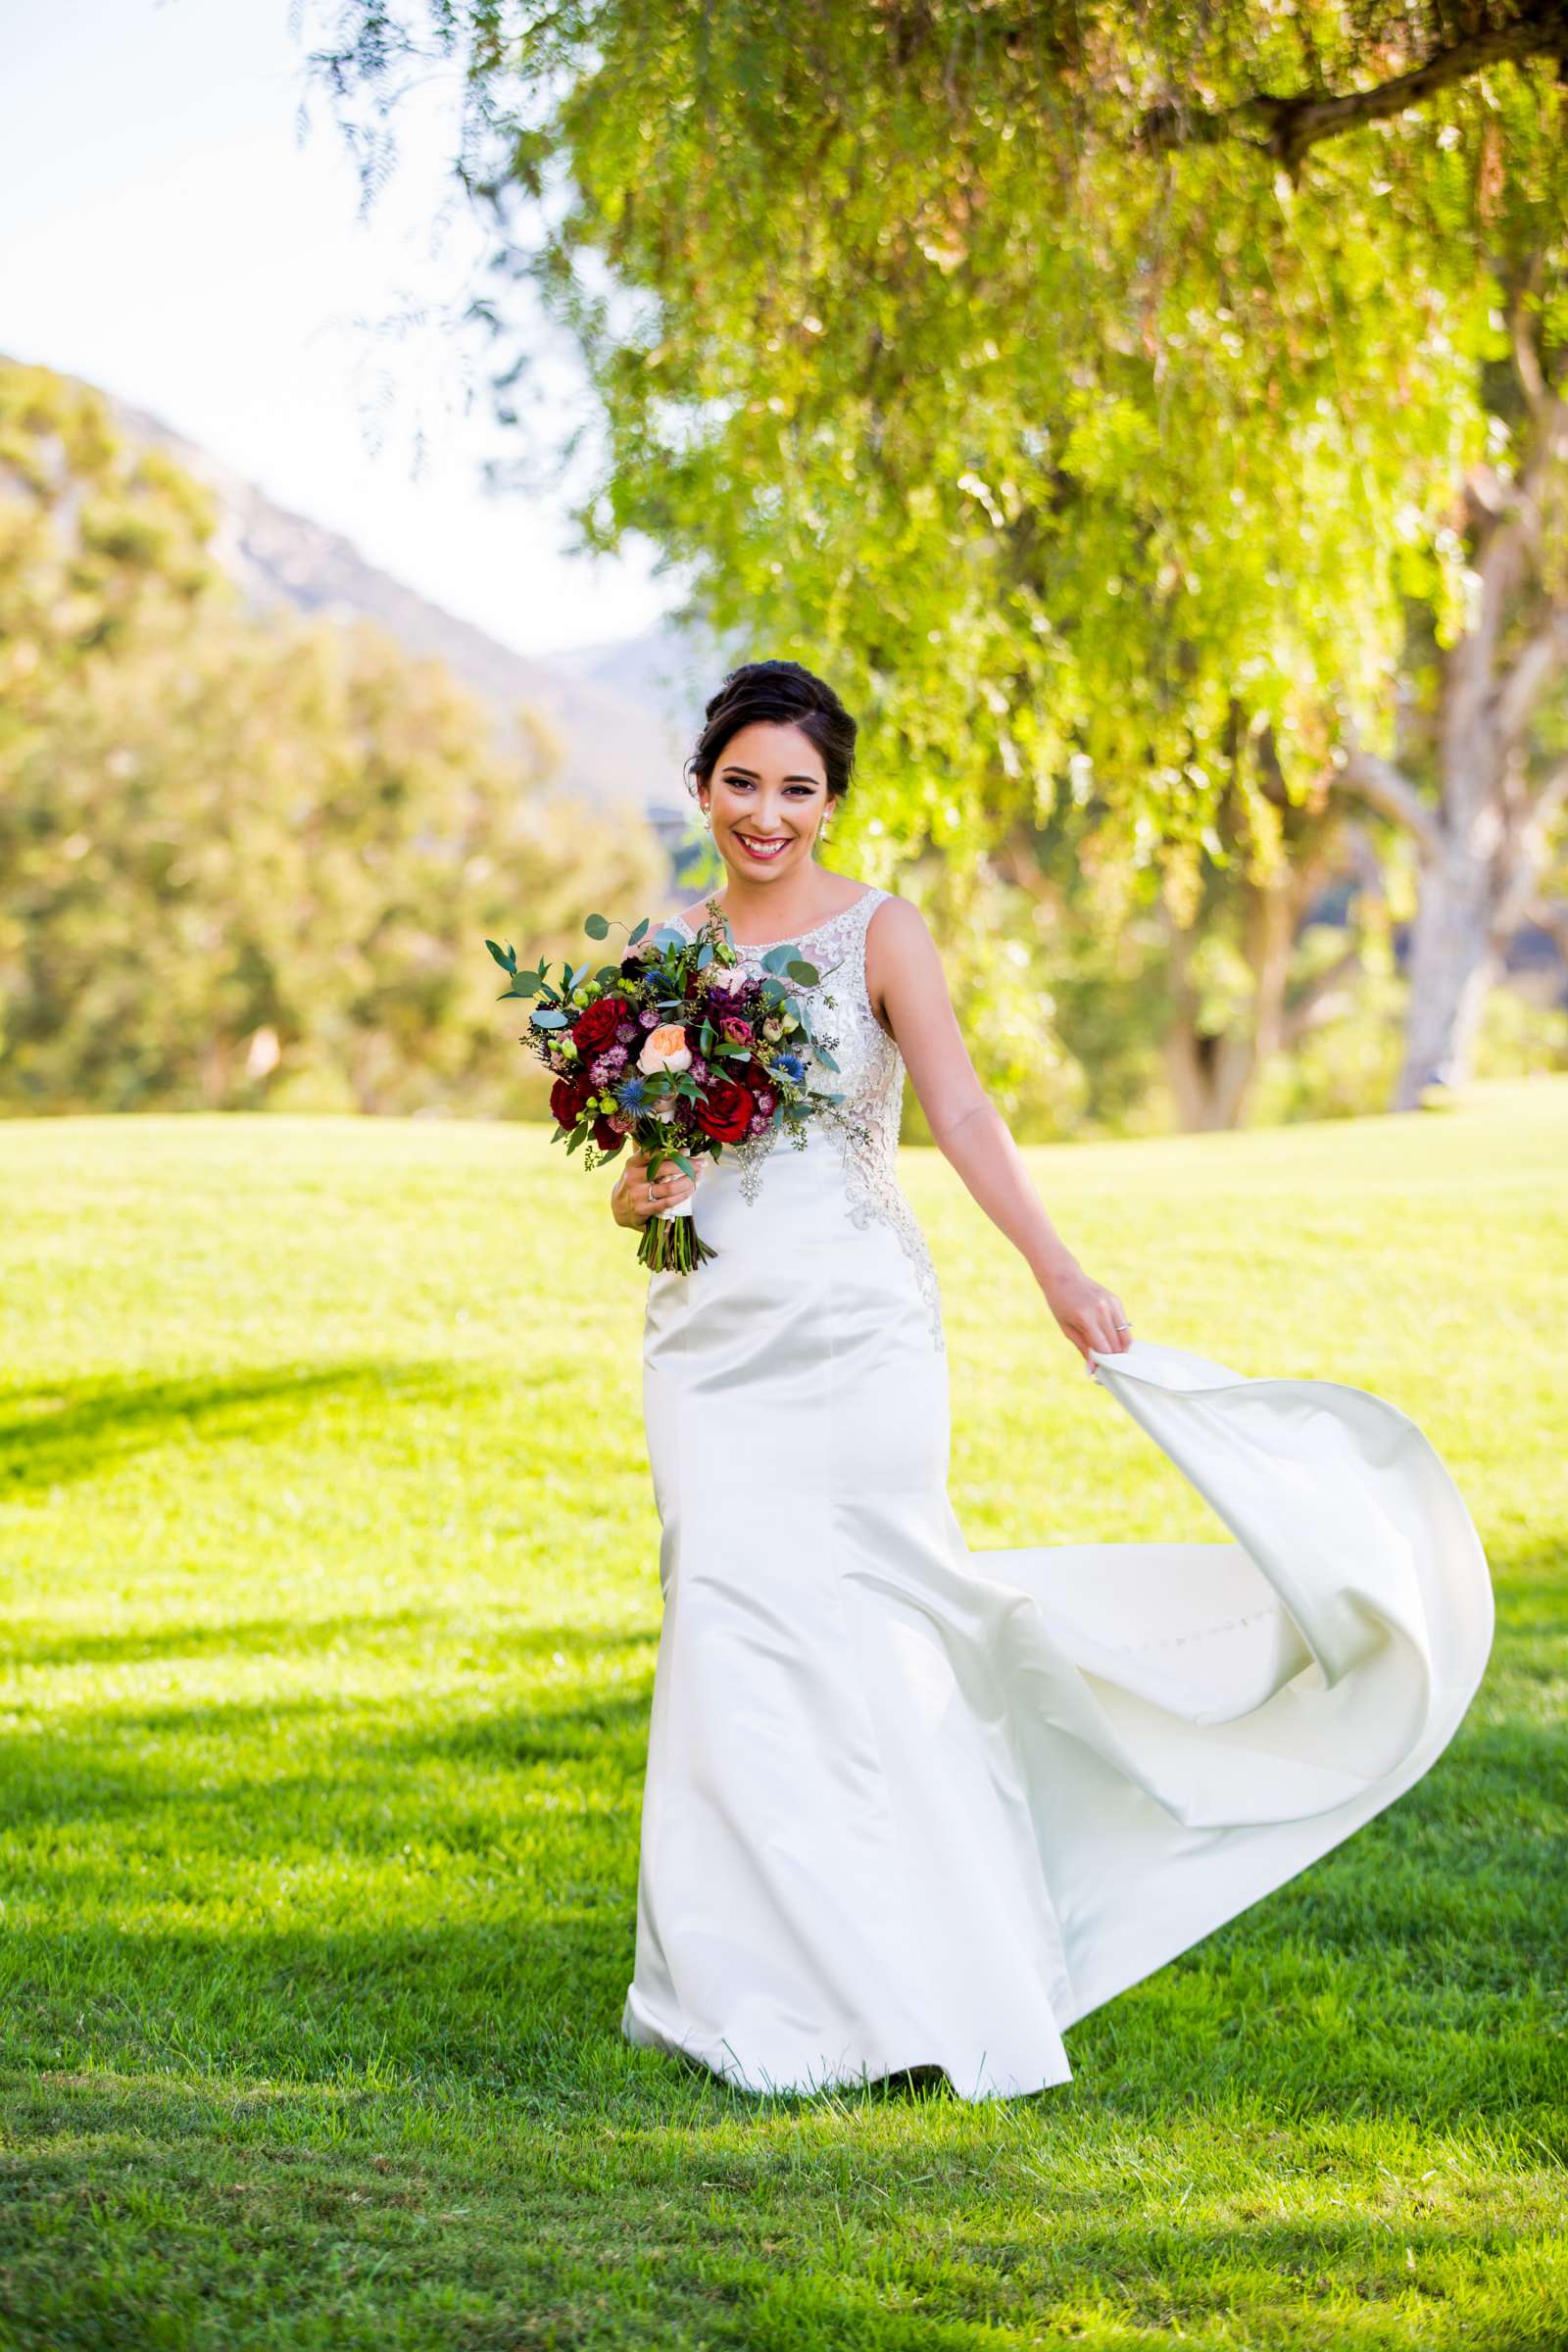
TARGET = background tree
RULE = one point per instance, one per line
(1480, 780)
(246, 861)
(1057, 380)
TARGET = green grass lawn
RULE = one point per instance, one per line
(331, 1587)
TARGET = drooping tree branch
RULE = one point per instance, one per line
(1382, 787)
(1543, 658)
(1313, 1002)
(1287, 126)
(1531, 853)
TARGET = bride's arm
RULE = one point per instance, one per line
(908, 987)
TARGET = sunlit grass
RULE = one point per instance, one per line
(331, 1586)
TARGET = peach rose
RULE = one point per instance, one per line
(664, 1049)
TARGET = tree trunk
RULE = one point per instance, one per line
(1454, 961)
(1212, 1073)
(216, 1073)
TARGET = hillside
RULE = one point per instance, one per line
(623, 724)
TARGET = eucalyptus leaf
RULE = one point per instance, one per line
(545, 1017)
(597, 928)
(806, 974)
(637, 933)
(504, 957)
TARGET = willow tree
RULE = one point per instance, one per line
(1099, 393)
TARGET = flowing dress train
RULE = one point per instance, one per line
(908, 1804)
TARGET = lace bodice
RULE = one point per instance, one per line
(869, 1076)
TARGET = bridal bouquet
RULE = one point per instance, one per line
(680, 1047)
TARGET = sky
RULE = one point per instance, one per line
(165, 233)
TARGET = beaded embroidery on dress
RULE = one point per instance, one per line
(870, 1076)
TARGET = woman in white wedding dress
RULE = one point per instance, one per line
(908, 1806)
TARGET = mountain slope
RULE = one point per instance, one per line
(621, 740)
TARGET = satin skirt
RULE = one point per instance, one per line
(908, 1804)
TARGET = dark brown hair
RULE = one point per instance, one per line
(787, 695)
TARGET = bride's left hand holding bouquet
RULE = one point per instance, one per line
(677, 1047)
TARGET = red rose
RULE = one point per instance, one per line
(596, 1025)
(608, 1138)
(727, 1112)
(566, 1098)
(754, 1076)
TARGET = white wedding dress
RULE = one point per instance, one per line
(910, 1805)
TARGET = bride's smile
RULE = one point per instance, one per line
(755, 845)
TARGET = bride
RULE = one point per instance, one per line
(908, 1806)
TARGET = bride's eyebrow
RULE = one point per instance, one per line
(756, 779)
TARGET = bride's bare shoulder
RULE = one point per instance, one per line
(897, 920)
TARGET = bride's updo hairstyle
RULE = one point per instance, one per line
(788, 694)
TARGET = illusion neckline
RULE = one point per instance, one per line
(794, 938)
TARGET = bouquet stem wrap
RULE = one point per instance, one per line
(671, 1243)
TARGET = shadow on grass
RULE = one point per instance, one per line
(455, 1900)
(320, 1888)
(218, 2217)
(28, 1644)
(78, 1428)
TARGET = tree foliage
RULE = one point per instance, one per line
(944, 348)
(244, 861)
